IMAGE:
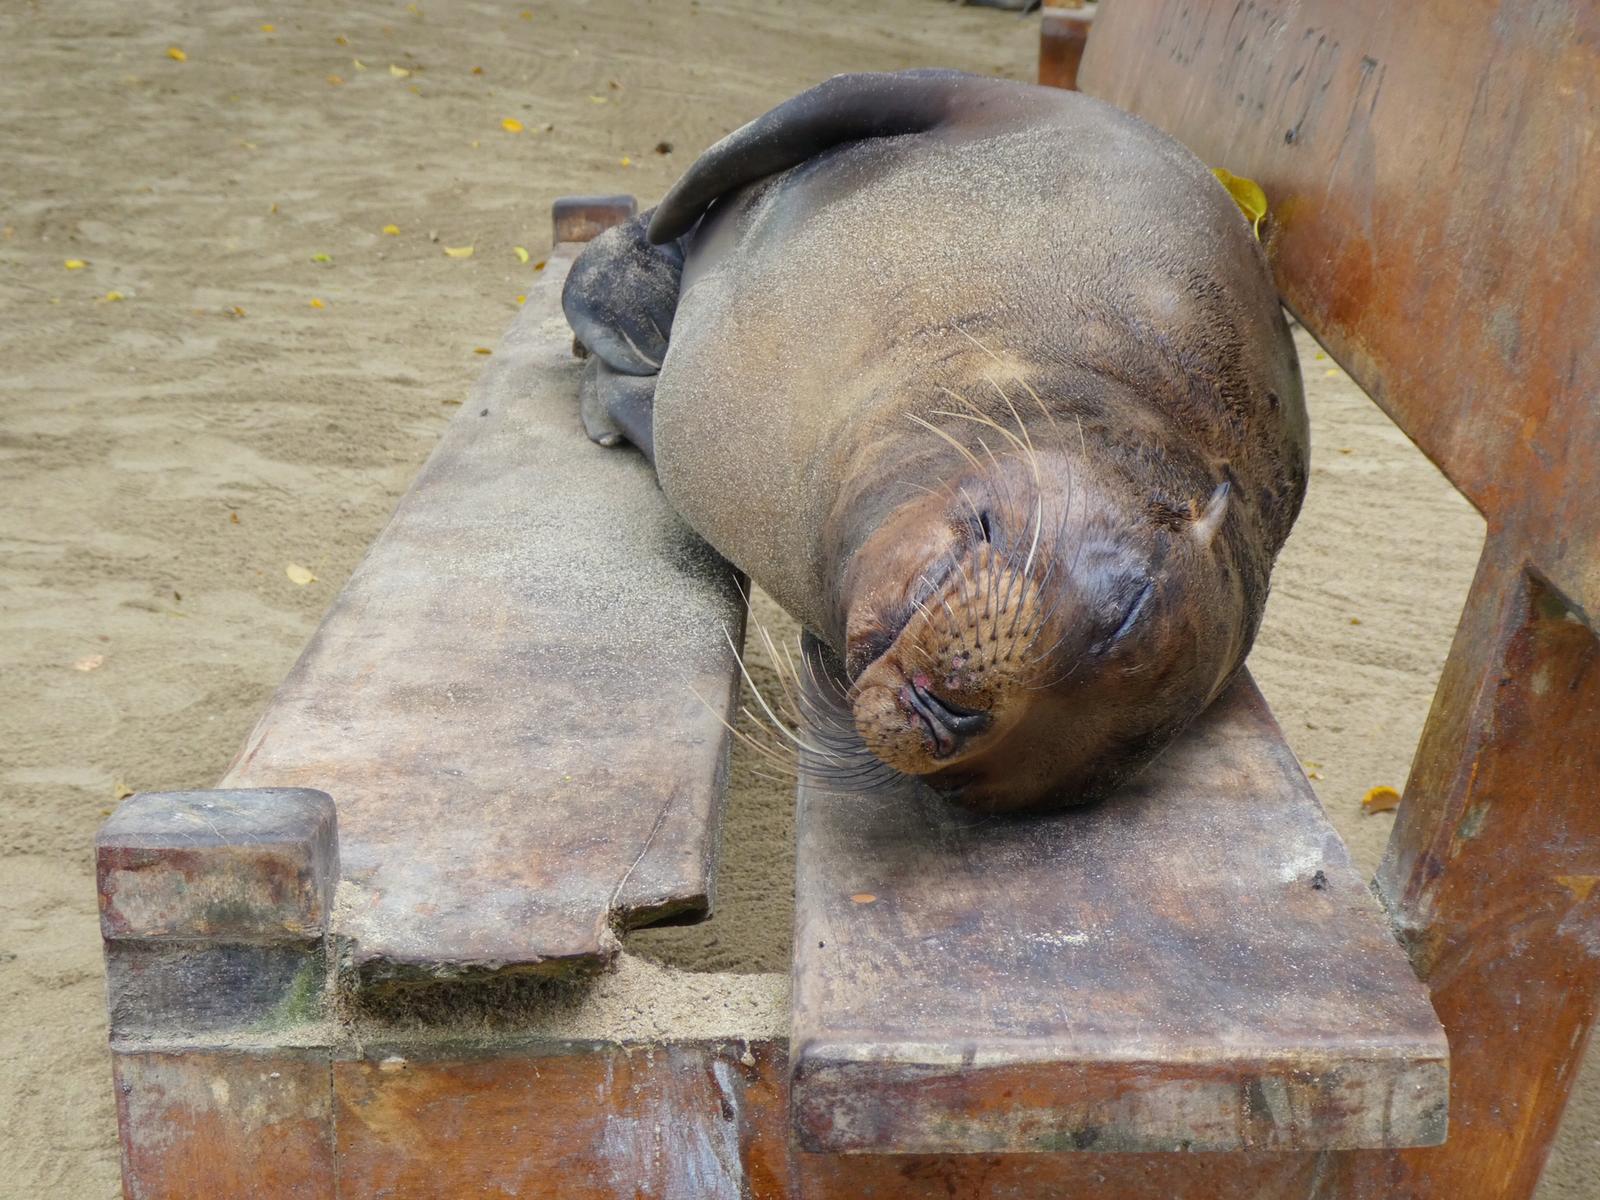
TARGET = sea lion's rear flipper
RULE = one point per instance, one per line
(620, 298)
(846, 108)
(616, 407)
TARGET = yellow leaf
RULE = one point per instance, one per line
(597, 99)
(315, 303)
(176, 55)
(520, 252)
(111, 297)
(391, 230)
(627, 162)
(321, 258)
(511, 125)
(1247, 194)
(269, 29)
(75, 264)
(458, 251)
(341, 40)
(91, 663)
(482, 350)
(334, 81)
(121, 790)
(526, 14)
(235, 311)
(477, 70)
(398, 72)
(299, 575)
(1380, 799)
(1332, 373)
(522, 299)
(358, 64)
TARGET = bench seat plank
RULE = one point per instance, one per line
(502, 700)
(1193, 964)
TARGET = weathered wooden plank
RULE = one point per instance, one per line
(255, 1125)
(1192, 964)
(503, 699)
(1436, 195)
(568, 1124)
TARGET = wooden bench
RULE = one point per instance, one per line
(430, 999)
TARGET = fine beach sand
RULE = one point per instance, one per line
(165, 456)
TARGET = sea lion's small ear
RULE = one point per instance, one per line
(1205, 527)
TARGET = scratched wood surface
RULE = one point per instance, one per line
(1436, 186)
(502, 700)
(1193, 964)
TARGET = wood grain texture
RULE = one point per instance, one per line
(503, 699)
(1192, 964)
(257, 1126)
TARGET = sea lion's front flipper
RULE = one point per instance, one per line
(846, 108)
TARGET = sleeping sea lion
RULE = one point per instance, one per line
(988, 386)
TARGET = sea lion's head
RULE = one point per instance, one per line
(1030, 627)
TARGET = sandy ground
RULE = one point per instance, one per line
(165, 455)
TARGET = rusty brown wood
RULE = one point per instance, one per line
(1063, 33)
(225, 1123)
(514, 701)
(1436, 188)
(1193, 964)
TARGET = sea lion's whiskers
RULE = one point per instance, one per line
(934, 429)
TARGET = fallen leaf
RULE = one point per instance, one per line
(526, 14)
(391, 230)
(90, 663)
(663, 147)
(121, 790)
(111, 297)
(322, 258)
(539, 266)
(863, 898)
(316, 303)
(482, 350)
(75, 264)
(235, 311)
(274, 207)
(449, 402)
(626, 161)
(1355, 620)
(398, 72)
(511, 125)
(522, 299)
(358, 64)
(1380, 799)
(458, 251)
(520, 252)
(299, 575)
(1331, 373)
(414, 89)
(1319, 356)
(477, 70)
(269, 29)
(176, 55)
(597, 100)
(1247, 194)
(233, 518)
(334, 81)
(341, 40)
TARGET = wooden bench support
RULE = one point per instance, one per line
(1063, 33)
(1191, 965)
